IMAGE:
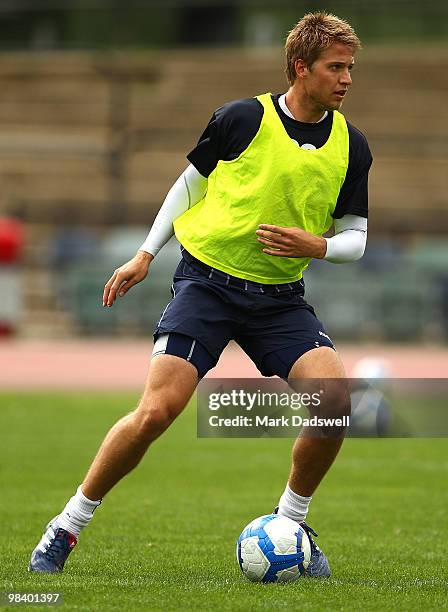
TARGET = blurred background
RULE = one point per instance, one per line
(100, 102)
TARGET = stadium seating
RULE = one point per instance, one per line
(107, 134)
(95, 141)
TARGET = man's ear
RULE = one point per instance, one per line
(301, 68)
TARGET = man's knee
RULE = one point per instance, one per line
(158, 409)
(334, 408)
(153, 420)
(335, 402)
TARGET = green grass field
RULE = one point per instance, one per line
(164, 539)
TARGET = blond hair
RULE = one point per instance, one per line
(314, 33)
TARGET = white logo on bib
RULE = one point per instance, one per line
(308, 146)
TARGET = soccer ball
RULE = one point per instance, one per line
(371, 413)
(273, 548)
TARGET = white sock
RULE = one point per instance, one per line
(78, 513)
(293, 506)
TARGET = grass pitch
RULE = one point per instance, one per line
(164, 538)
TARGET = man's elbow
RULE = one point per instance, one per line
(359, 252)
(346, 247)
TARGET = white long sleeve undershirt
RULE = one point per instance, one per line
(349, 241)
(345, 246)
(188, 190)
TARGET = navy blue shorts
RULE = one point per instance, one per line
(273, 324)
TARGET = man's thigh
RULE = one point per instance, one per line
(188, 348)
(322, 362)
(170, 383)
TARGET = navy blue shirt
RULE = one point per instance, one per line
(233, 127)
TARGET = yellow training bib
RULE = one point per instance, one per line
(273, 181)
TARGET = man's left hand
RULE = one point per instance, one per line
(290, 242)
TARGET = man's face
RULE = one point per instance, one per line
(327, 81)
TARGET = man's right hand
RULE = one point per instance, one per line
(126, 277)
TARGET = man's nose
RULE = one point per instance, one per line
(346, 78)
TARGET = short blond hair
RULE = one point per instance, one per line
(314, 33)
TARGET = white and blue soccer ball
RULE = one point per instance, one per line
(273, 548)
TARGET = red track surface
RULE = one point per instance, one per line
(123, 365)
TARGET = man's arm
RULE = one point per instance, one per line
(347, 245)
(187, 191)
(349, 241)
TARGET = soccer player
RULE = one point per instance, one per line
(268, 177)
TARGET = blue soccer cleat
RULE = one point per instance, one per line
(319, 566)
(51, 553)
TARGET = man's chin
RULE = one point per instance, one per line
(334, 105)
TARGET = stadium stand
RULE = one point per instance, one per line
(94, 141)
